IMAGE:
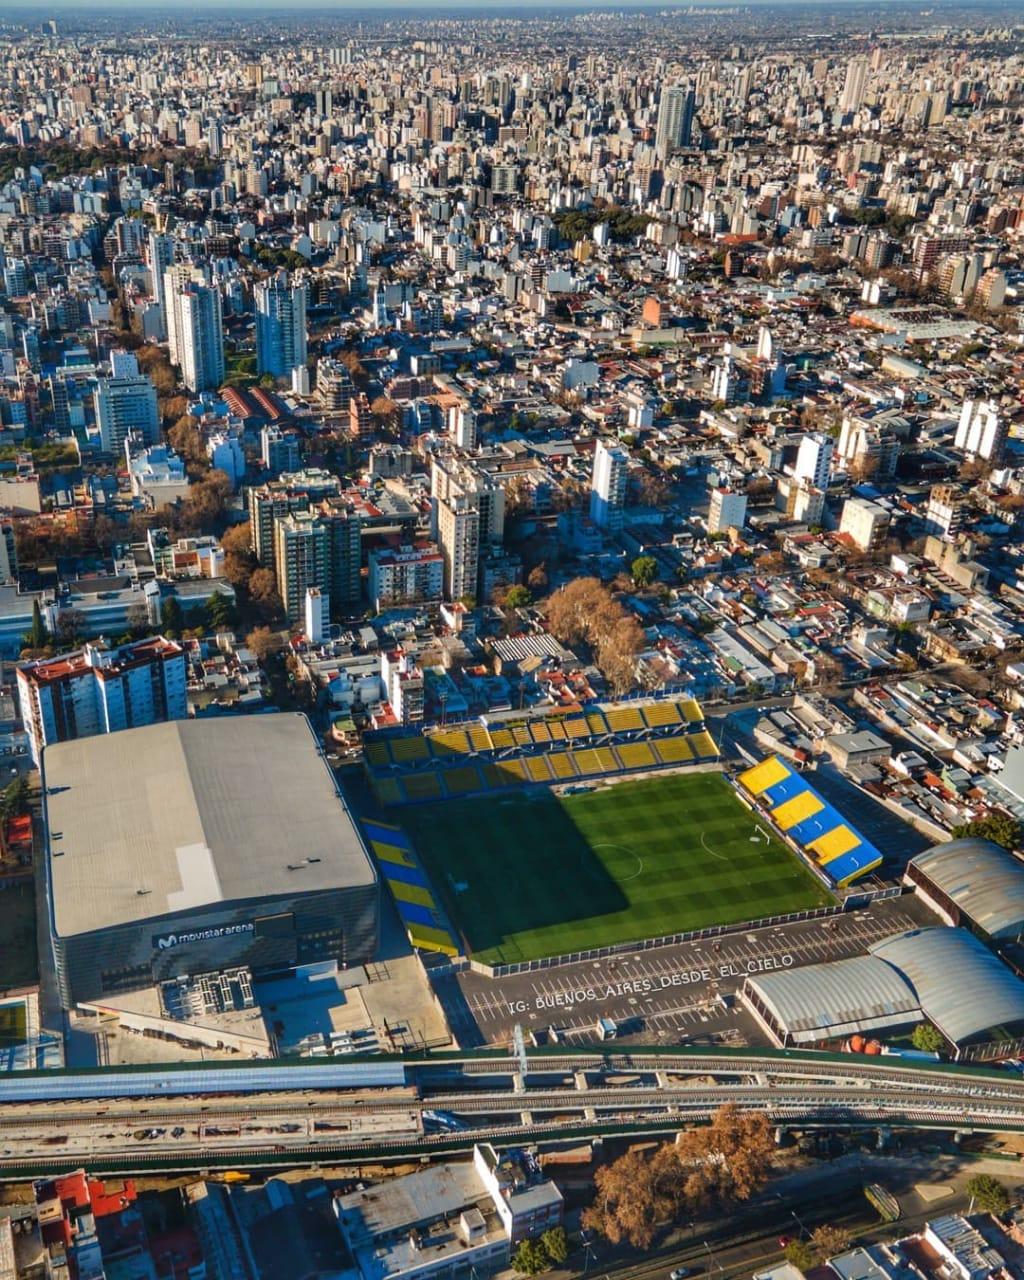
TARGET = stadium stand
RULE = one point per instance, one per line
(809, 821)
(413, 767)
(414, 898)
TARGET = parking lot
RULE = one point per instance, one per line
(672, 994)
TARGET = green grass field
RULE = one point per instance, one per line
(530, 875)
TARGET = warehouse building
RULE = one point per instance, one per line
(199, 845)
(946, 976)
(974, 883)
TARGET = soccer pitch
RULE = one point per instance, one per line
(529, 875)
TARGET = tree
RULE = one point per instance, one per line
(827, 1241)
(555, 1244)
(68, 625)
(998, 827)
(926, 1038)
(15, 799)
(38, 637)
(988, 1193)
(626, 1206)
(530, 1258)
(220, 611)
(263, 591)
(172, 616)
(537, 579)
(517, 597)
(800, 1254)
(262, 642)
(644, 570)
(729, 1159)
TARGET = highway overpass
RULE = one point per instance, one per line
(228, 1115)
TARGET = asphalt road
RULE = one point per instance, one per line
(668, 994)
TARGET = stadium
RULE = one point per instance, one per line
(198, 845)
(526, 876)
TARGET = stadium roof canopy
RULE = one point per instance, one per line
(962, 987)
(984, 881)
(822, 1001)
(181, 817)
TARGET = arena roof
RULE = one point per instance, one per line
(171, 818)
(984, 881)
(825, 1000)
(962, 987)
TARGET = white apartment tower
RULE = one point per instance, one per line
(982, 430)
(608, 486)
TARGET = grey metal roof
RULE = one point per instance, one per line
(819, 1000)
(962, 987)
(175, 818)
(984, 881)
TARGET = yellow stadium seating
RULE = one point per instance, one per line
(796, 809)
(461, 779)
(561, 765)
(422, 786)
(502, 739)
(479, 738)
(624, 719)
(392, 853)
(521, 735)
(691, 711)
(428, 939)
(557, 728)
(764, 775)
(537, 768)
(635, 755)
(660, 714)
(449, 742)
(412, 893)
(673, 750)
(541, 732)
(377, 753)
(597, 724)
(588, 762)
(405, 750)
(704, 745)
(833, 844)
(577, 727)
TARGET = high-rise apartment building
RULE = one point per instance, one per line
(161, 259)
(199, 331)
(301, 558)
(856, 84)
(608, 486)
(280, 326)
(292, 491)
(675, 120)
(97, 690)
(982, 430)
(125, 402)
(814, 459)
(458, 534)
(726, 510)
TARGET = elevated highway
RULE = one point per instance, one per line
(327, 1113)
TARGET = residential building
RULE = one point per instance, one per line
(726, 510)
(865, 523)
(161, 259)
(857, 72)
(408, 575)
(123, 403)
(981, 431)
(946, 511)
(301, 558)
(458, 533)
(317, 615)
(279, 449)
(814, 459)
(291, 491)
(675, 120)
(403, 684)
(98, 690)
(608, 486)
(199, 334)
(280, 326)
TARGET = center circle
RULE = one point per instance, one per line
(631, 863)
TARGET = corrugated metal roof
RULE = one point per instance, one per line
(985, 882)
(962, 987)
(840, 998)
